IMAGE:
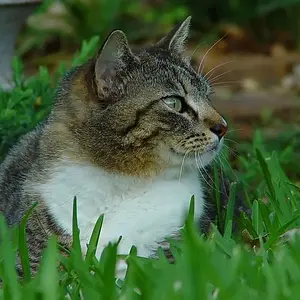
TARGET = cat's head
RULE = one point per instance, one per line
(144, 111)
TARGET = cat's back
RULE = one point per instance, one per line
(13, 173)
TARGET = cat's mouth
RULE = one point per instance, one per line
(211, 150)
(195, 157)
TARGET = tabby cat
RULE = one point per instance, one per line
(127, 135)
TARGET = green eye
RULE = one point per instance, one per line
(174, 103)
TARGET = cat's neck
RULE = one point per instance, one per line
(65, 146)
(170, 173)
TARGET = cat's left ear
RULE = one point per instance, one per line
(175, 40)
(114, 56)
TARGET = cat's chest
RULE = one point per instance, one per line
(130, 206)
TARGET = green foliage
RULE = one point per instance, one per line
(24, 106)
(285, 144)
(74, 20)
(261, 18)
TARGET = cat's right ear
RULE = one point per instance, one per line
(115, 55)
(175, 40)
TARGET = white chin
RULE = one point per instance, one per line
(203, 159)
(207, 157)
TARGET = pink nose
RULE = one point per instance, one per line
(219, 129)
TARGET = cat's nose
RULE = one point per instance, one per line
(219, 129)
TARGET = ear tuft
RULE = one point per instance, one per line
(176, 38)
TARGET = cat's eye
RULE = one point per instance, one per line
(175, 103)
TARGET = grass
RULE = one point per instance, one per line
(260, 259)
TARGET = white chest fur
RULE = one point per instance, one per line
(142, 212)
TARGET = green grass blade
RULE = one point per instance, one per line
(216, 193)
(92, 247)
(265, 214)
(267, 175)
(48, 275)
(109, 264)
(273, 238)
(76, 232)
(24, 257)
(256, 218)
(11, 286)
(191, 212)
(230, 210)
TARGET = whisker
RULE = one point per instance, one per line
(195, 50)
(232, 141)
(201, 67)
(202, 167)
(222, 155)
(216, 67)
(178, 144)
(212, 80)
(231, 150)
(182, 163)
(219, 162)
(199, 169)
(232, 130)
(224, 86)
(218, 83)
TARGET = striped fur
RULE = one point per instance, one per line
(109, 116)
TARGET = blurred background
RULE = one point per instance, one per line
(254, 65)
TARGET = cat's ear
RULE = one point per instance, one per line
(176, 38)
(115, 55)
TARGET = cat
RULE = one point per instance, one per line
(127, 135)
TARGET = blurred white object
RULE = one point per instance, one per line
(13, 14)
(250, 84)
(296, 72)
(292, 80)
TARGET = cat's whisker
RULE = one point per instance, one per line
(197, 155)
(233, 130)
(195, 50)
(182, 165)
(222, 167)
(221, 84)
(232, 141)
(228, 164)
(216, 67)
(231, 150)
(202, 165)
(212, 80)
(199, 169)
(225, 86)
(201, 65)
(219, 163)
(178, 144)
